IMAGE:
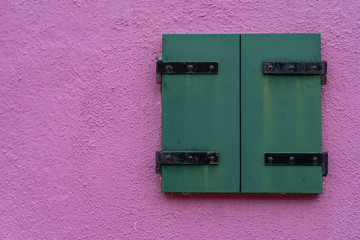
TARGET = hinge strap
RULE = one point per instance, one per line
(185, 68)
(297, 68)
(185, 158)
(298, 159)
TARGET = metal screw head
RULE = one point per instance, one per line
(168, 67)
(190, 67)
(270, 159)
(314, 67)
(167, 157)
(211, 67)
(292, 158)
(292, 67)
(190, 157)
(212, 158)
(315, 159)
(270, 67)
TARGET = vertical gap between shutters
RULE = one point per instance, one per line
(240, 108)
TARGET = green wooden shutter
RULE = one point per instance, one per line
(201, 113)
(241, 113)
(279, 113)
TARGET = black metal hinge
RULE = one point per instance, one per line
(298, 159)
(297, 68)
(185, 158)
(185, 68)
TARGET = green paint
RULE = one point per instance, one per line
(201, 113)
(279, 113)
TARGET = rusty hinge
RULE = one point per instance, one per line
(184, 68)
(185, 158)
(298, 159)
(297, 68)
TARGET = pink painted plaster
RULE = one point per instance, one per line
(80, 122)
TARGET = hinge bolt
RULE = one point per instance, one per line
(168, 68)
(211, 67)
(167, 156)
(190, 67)
(270, 159)
(292, 67)
(212, 158)
(314, 67)
(270, 67)
(190, 157)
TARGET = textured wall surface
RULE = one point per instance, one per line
(80, 122)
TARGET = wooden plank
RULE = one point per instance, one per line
(200, 112)
(279, 113)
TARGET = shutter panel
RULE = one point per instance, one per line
(200, 112)
(250, 124)
(279, 113)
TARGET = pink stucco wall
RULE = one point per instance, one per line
(80, 122)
